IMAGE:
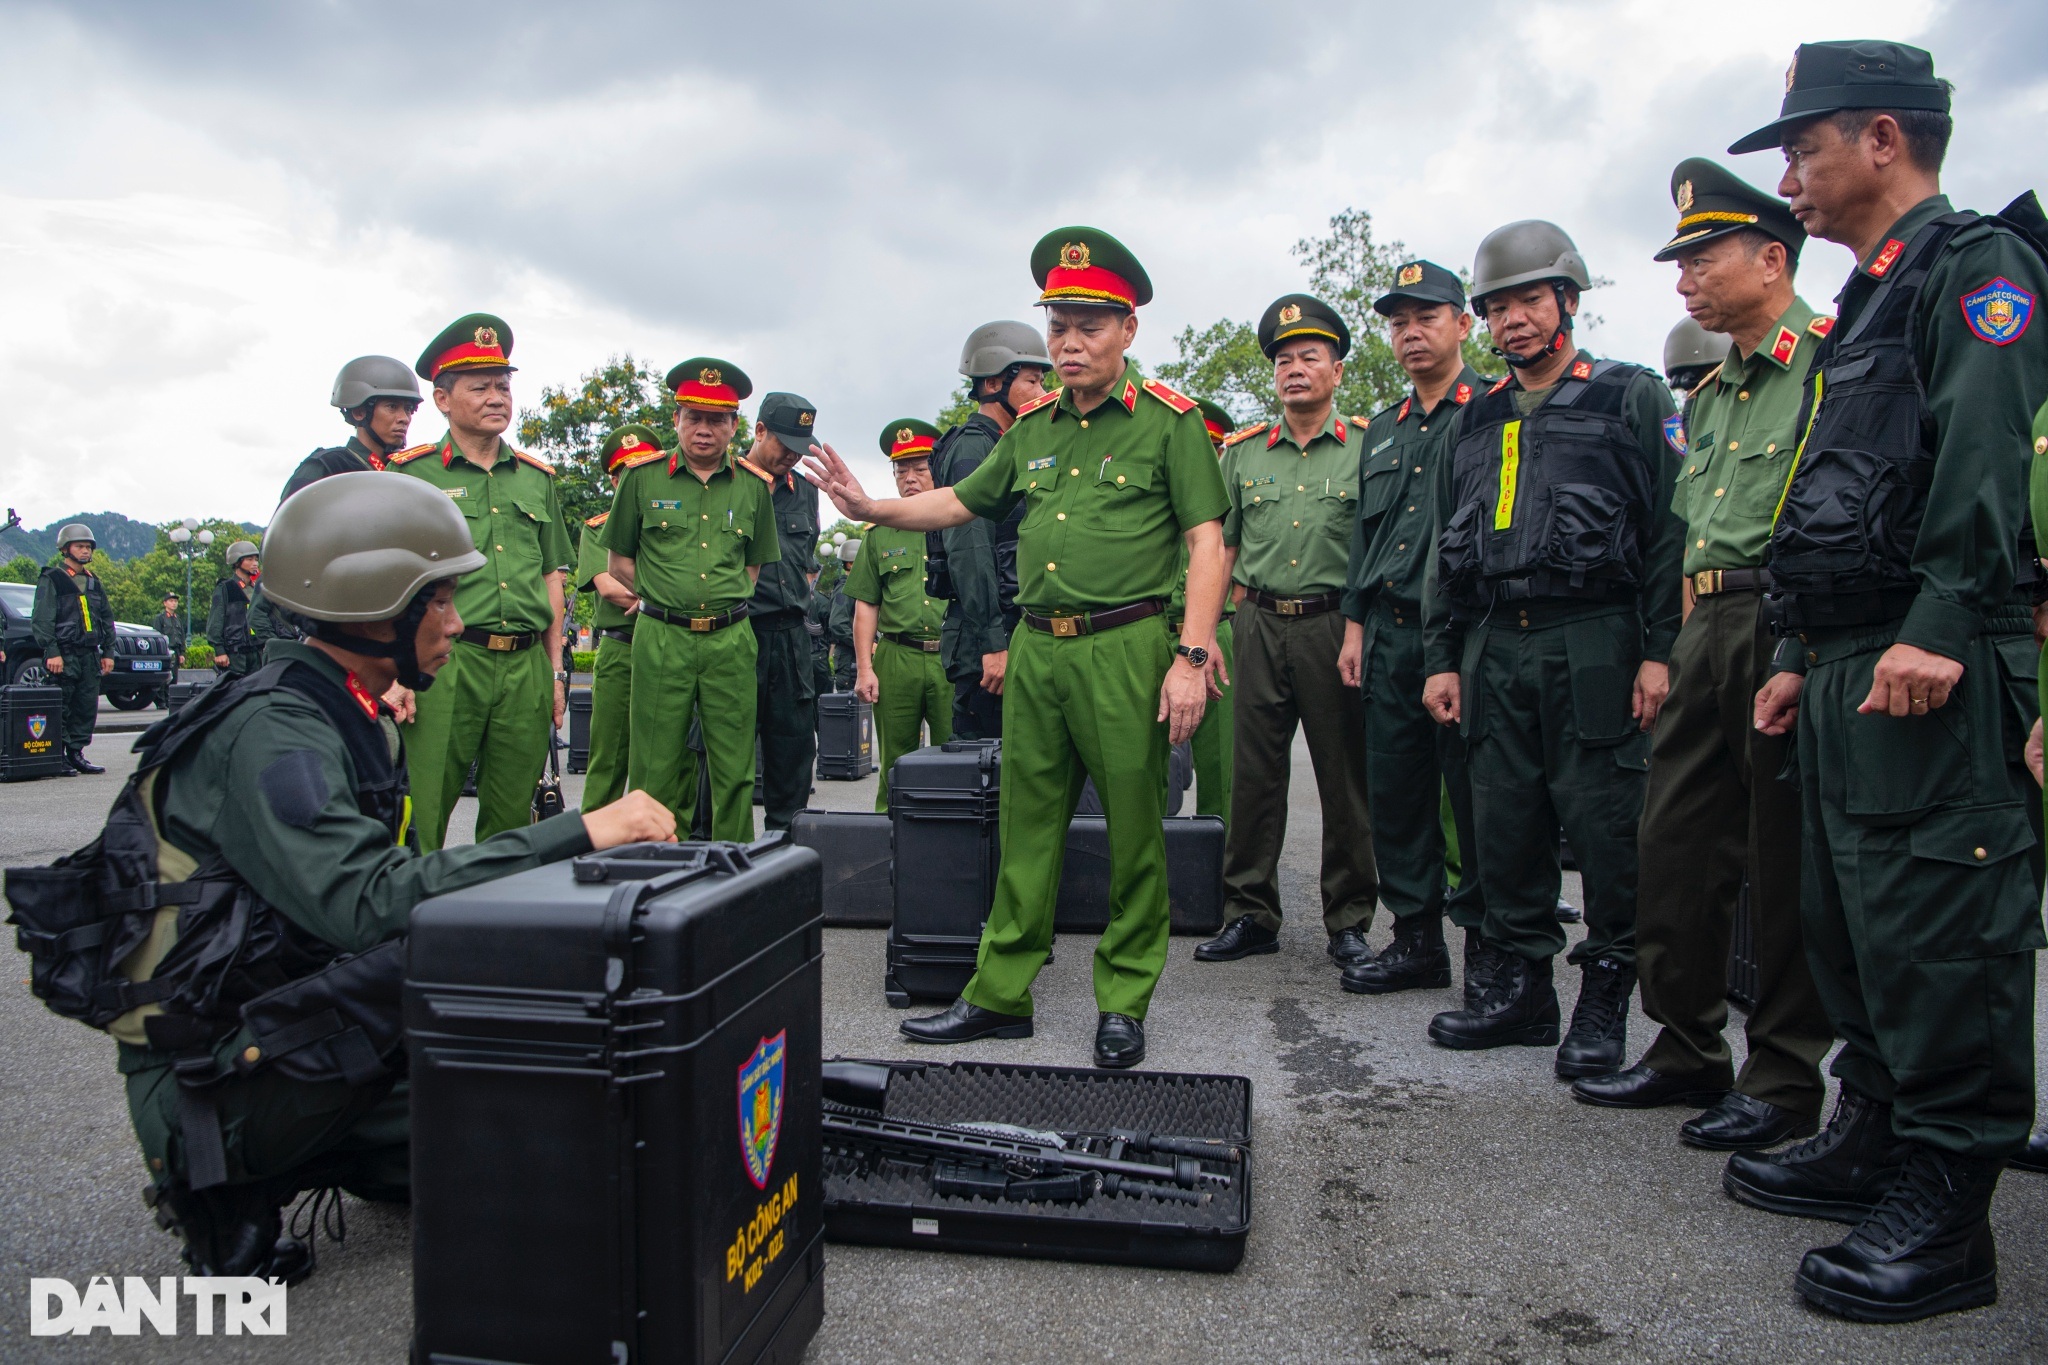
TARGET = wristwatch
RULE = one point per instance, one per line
(1194, 654)
(561, 677)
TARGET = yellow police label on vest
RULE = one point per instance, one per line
(763, 1233)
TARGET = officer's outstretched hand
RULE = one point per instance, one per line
(826, 470)
(1441, 698)
(635, 818)
(1910, 681)
(1653, 685)
(1182, 699)
(1777, 703)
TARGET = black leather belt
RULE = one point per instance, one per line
(1087, 623)
(916, 642)
(1295, 606)
(701, 622)
(1707, 582)
(501, 644)
(622, 635)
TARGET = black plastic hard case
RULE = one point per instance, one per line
(943, 803)
(32, 732)
(577, 760)
(846, 737)
(855, 848)
(1194, 875)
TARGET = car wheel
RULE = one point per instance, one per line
(130, 701)
(31, 673)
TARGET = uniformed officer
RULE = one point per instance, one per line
(1691, 353)
(895, 626)
(1215, 736)
(1411, 762)
(839, 620)
(1715, 808)
(236, 648)
(1116, 473)
(688, 535)
(377, 396)
(1293, 496)
(74, 630)
(976, 570)
(611, 681)
(171, 625)
(786, 701)
(1554, 604)
(266, 621)
(292, 784)
(1892, 554)
(817, 615)
(2034, 1156)
(504, 691)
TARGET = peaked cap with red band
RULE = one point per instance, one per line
(632, 441)
(707, 382)
(907, 438)
(1084, 265)
(477, 341)
(1217, 419)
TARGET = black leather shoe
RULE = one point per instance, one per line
(1415, 960)
(1744, 1123)
(80, 763)
(1483, 962)
(1840, 1174)
(1598, 1039)
(2033, 1156)
(1641, 1088)
(1925, 1249)
(1242, 937)
(231, 1230)
(1519, 1007)
(1119, 1041)
(963, 1023)
(1349, 948)
(1567, 913)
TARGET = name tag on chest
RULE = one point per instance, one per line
(1382, 446)
(666, 504)
(456, 492)
(1046, 463)
(1255, 483)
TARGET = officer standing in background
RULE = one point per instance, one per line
(377, 396)
(611, 620)
(976, 563)
(1715, 808)
(1691, 353)
(787, 702)
(1410, 760)
(1547, 624)
(1215, 736)
(895, 626)
(236, 647)
(817, 613)
(502, 694)
(74, 630)
(1293, 490)
(839, 621)
(688, 535)
(1919, 908)
(171, 625)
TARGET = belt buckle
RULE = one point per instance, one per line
(928, 646)
(502, 643)
(1066, 627)
(1287, 606)
(701, 624)
(1706, 582)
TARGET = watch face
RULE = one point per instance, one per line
(1196, 655)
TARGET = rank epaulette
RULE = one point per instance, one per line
(410, 454)
(1244, 434)
(763, 475)
(536, 461)
(1174, 399)
(1500, 383)
(1046, 399)
(594, 522)
(1821, 325)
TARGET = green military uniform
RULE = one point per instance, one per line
(817, 618)
(1108, 495)
(980, 617)
(73, 621)
(1214, 738)
(265, 621)
(611, 682)
(350, 458)
(1413, 765)
(2037, 500)
(1715, 809)
(229, 628)
(786, 699)
(839, 633)
(171, 625)
(692, 541)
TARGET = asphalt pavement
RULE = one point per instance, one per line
(1411, 1203)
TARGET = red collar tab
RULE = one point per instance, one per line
(708, 389)
(376, 462)
(1887, 257)
(1341, 436)
(1582, 369)
(1501, 383)
(1783, 345)
(1129, 397)
(1273, 436)
(1406, 404)
(448, 451)
(1462, 395)
(1821, 325)
(362, 695)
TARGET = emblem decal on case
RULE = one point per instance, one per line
(36, 726)
(761, 1106)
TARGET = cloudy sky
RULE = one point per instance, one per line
(206, 207)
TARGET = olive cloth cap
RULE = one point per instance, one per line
(478, 341)
(705, 381)
(1086, 265)
(1712, 203)
(1302, 315)
(359, 547)
(1422, 282)
(629, 442)
(907, 438)
(790, 419)
(1216, 418)
(1862, 73)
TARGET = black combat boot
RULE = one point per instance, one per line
(1349, 948)
(1416, 959)
(1519, 1006)
(80, 763)
(1599, 1033)
(1840, 1173)
(1483, 962)
(1925, 1249)
(231, 1230)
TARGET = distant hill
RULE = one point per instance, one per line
(121, 537)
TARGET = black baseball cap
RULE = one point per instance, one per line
(791, 419)
(1862, 73)
(1422, 282)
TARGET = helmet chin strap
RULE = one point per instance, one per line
(1557, 341)
(403, 650)
(1002, 395)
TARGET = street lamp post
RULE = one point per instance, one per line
(189, 545)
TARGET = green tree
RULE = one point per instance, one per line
(20, 569)
(571, 423)
(1222, 363)
(959, 407)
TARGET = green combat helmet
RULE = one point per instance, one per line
(359, 548)
(74, 533)
(1691, 352)
(1529, 252)
(369, 377)
(239, 551)
(998, 350)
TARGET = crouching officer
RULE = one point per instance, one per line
(255, 879)
(236, 647)
(611, 682)
(377, 396)
(895, 626)
(1553, 610)
(74, 629)
(1892, 558)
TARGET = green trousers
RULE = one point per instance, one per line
(1918, 903)
(1075, 708)
(276, 1129)
(680, 673)
(611, 723)
(1287, 678)
(1547, 688)
(786, 707)
(1215, 736)
(913, 694)
(80, 684)
(491, 707)
(1715, 809)
(1414, 773)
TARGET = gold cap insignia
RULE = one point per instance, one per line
(1290, 315)
(1410, 274)
(803, 419)
(710, 376)
(904, 435)
(486, 336)
(1685, 196)
(1792, 71)
(1074, 255)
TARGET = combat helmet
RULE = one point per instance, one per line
(239, 551)
(998, 350)
(73, 533)
(370, 377)
(1690, 351)
(1530, 251)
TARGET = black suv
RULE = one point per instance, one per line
(143, 667)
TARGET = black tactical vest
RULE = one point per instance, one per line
(1555, 504)
(235, 619)
(938, 579)
(82, 609)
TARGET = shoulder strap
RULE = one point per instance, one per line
(1912, 271)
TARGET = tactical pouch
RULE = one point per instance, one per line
(57, 922)
(342, 1023)
(938, 582)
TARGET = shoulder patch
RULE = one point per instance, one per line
(594, 522)
(295, 788)
(1179, 402)
(1244, 434)
(410, 453)
(1998, 312)
(1582, 369)
(1360, 422)
(1046, 399)
(1674, 432)
(763, 475)
(1886, 258)
(1821, 325)
(536, 461)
